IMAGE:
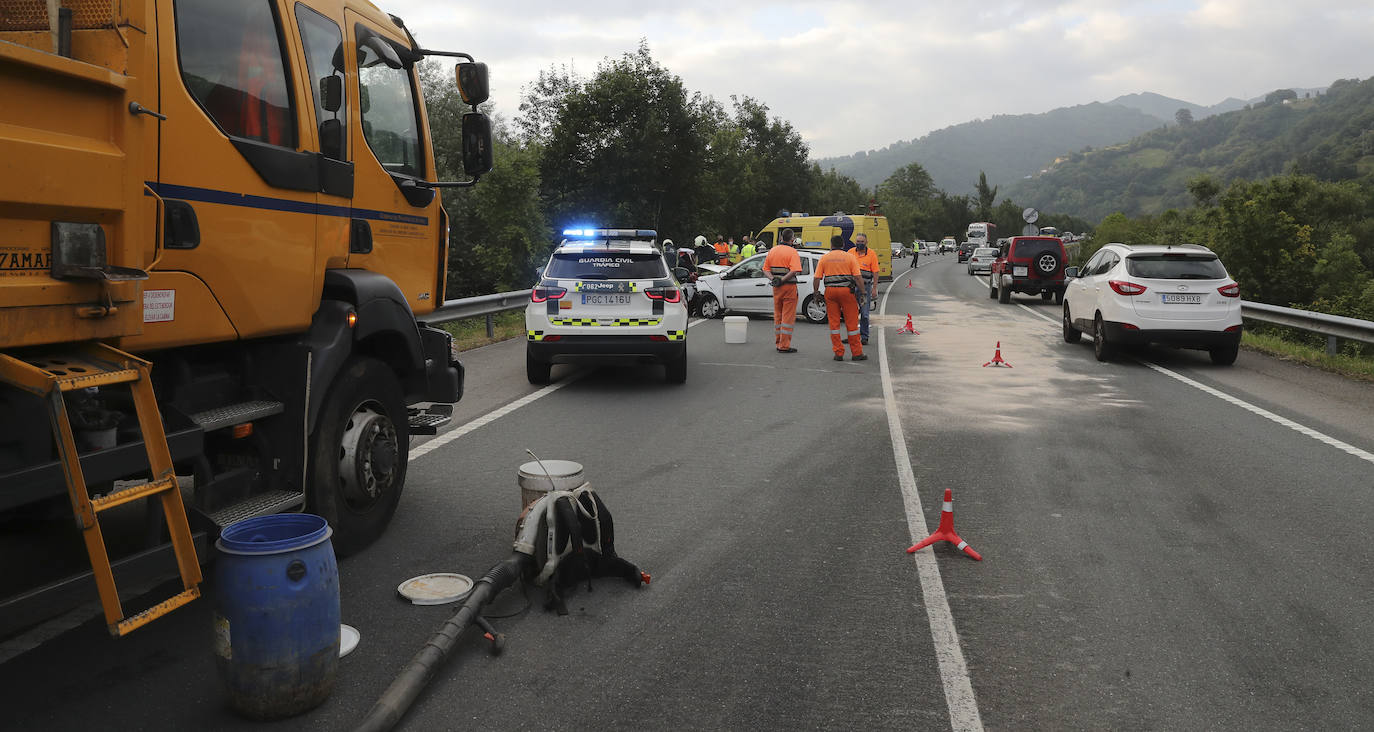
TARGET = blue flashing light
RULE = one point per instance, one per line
(586, 231)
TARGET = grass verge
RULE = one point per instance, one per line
(1353, 366)
(470, 333)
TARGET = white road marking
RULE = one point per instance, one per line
(963, 706)
(1290, 424)
(486, 419)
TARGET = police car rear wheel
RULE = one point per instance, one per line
(675, 371)
(535, 370)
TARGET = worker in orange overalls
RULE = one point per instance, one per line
(838, 273)
(722, 252)
(868, 269)
(783, 266)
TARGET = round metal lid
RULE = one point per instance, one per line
(348, 639)
(555, 468)
(437, 588)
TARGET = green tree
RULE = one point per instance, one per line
(497, 230)
(986, 196)
(1204, 190)
(1183, 116)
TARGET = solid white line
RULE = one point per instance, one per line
(963, 706)
(1290, 424)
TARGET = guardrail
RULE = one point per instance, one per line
(471, 307)
(1334, 327)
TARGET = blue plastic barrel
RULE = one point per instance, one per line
(276, 620)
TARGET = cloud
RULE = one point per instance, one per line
(853, 76)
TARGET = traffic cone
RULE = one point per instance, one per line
(997, 358)
(908, 283)
(946, 531)
(908, 328)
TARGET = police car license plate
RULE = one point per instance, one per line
(604, 298)
(1171, 298)
(1019, 271)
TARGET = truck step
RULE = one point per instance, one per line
(232, 414)
(259, 505)
(427, 421)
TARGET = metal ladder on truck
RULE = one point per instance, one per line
(52, 372)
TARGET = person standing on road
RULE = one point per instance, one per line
(748, 250)
(838, 273)
(783, 265)
(734, 251)
(867, 259)
(722, 251)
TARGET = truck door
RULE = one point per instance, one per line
(393, 151)
(234, 159)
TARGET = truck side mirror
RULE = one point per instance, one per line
(331, 92)
(472, 82)
(477, 155)
(384, 51)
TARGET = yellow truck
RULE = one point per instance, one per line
(219, 237)
(814, 232)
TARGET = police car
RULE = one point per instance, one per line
(606, 296)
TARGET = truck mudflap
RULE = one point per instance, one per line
(443, 372)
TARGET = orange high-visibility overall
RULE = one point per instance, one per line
(841, 307)
(780, 260)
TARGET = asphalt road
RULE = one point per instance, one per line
(1155, 556)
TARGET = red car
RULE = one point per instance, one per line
(1033, 265)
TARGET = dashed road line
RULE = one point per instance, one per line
(949, 655)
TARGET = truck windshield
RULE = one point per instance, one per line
(606, 265)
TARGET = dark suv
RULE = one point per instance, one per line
(1030, 265)
(965, 251)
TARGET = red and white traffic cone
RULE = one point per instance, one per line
(909, 328)
(946, 531)
(997, 358)
(908, 283)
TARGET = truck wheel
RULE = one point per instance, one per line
(1004, 294)
(535, 370)
(675, 371)
(358, 454)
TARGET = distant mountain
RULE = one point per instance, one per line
(1006, 147)
(1328, 135)
(1165, 108)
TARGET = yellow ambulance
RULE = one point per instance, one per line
(814, 232)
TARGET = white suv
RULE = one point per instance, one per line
(606, 296)
(1172, 295)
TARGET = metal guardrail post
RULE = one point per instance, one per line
(1331, 346)
(491, 325)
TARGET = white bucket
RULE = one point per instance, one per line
(736, 327)
(563, 475)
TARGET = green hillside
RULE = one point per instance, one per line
(1006, 147)
(1330, 137)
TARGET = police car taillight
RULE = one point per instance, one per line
(666, 294)
(541, 294)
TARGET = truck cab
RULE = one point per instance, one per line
(238, 202)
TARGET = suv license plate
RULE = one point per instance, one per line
(601, 298)
(1019, 271)
(1173, 298)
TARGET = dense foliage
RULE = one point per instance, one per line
(1329, 136)
(631, 146)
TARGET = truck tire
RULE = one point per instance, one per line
(358, 454)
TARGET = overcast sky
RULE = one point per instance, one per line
(857, 76)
